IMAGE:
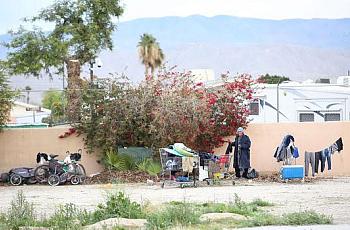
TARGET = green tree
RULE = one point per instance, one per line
(82, 29)
(150, 53)
(56, 102)
(6, 99)
(272, 79)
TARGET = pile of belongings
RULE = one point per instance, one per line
(188, 157)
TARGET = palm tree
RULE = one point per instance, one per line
(28, 89)
(150, 53)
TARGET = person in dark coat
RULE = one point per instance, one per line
(241, 155)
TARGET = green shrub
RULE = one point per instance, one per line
(118, 205)
(154, 168)
(142, 165)
(120, 162)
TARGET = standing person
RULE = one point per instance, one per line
(241, 155)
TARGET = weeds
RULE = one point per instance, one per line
(172, 215)
(21, 213)
(305, 218)
(261, 203)
(67, 216)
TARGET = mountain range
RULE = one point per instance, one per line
(297, 48)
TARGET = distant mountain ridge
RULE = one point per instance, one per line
(321, 33)
(297, 48)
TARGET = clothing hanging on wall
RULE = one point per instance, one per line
(309, 159)
(286, 150)
(321, 157)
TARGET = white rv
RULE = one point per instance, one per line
(302, 102)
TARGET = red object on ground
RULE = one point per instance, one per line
(68, 133)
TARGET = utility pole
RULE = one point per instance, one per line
(91, 73)
(278, 102)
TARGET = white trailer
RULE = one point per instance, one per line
(301, 102)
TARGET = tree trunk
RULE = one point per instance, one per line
(146, 70)
(74, 91)
(27, 97)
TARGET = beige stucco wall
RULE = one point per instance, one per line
(308, 136)
(18, 147)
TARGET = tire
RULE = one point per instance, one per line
(4, 177)
(42, 173)
(75, 180)
(53, 180)
(16, 179)
(80, 171)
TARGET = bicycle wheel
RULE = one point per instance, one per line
(42, 173)
(75, 180)
(53, 180)
(16, 179)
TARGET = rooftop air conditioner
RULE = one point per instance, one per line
(323, 80)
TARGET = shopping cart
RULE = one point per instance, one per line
(173, 170)
(216, 169)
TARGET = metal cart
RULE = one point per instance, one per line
(218, 170)
(172, 168)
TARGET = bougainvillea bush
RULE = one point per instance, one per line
(163, 110)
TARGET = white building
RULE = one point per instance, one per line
(23, 113)
(302, 102)
(202, 75)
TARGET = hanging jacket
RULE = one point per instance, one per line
(339, 143)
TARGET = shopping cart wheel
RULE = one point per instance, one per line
(182, 186)
(233, 182)
(162, 185)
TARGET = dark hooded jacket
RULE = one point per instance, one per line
(241, 158)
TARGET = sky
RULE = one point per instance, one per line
(12, 11)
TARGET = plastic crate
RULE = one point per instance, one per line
(292, 172)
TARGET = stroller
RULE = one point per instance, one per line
(18, 176)
(59, 172)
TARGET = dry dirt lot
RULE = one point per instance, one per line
(331, 196)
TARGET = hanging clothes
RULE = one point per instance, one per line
(318, 160)
(296, 152)
(339, 144)
(323, 156)
(187, 164)
(309, 159)
(285, 150)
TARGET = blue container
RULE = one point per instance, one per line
(292, 172)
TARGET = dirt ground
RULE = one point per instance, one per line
(329, 196)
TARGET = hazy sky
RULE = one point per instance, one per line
(12, 11)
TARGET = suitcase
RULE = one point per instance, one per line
(292, 172)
